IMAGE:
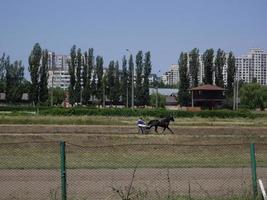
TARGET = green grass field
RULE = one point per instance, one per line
(47, 156)
(108, 120)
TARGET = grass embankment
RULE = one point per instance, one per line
(47, 156)
(118, 120)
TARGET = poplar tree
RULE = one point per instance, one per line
(219, 64)
(72, 66)
(194, 66)
(139, 85)
(110, 81)
(78, 86)
(85, 79)
(183, 94)
(34, 65)
(87, 75)
(230, 74)
(2, 73)
(117, 93)
(99, 76)
(124, 84)
(93, 86)
(43, 96)
(131, 77)
(208, 66)
(14, 81)
(147, 72)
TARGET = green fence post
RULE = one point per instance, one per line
(63, 171)
(253, 169)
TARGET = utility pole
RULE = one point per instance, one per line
(104, 99)
(157, 90)
(234, 96)
(127, 104)
(157, 104)
(237, 93)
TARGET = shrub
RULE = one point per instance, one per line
(90, 111)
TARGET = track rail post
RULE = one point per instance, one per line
(63, 171)
(253, 170)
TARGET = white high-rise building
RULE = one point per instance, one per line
(171, 77)
(253, 65)
(58, 74)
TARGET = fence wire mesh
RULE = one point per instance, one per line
(29, 171)
(150, 171)
(130, 171)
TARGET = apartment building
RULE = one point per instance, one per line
(58, 73)
(253, 65)
(171, 77)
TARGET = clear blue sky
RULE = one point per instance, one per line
(165, 27)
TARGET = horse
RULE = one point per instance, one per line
(164, 123)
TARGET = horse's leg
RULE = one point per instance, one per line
(163, 129)
(170, 130)
(156, 129)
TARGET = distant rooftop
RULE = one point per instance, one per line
(207, 87)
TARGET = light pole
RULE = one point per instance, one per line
(132, 81)
(52, 89)
(157, 92)
(127, 94)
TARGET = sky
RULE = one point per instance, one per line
(163, 27)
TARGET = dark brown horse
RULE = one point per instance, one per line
(164, 123)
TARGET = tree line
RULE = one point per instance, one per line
(89, 80)
(189, 65)
(12, 81)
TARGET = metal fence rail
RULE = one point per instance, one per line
(58, 170)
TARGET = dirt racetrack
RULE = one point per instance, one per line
(152, 183)
(99, 184)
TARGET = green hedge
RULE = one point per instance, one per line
(149, 112)
(136, 112)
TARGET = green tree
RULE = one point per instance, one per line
(99, 76)
(117, 93)
(124, 84)
(230, 74)
(34, 65)
(208, 66)
(147, 72)
(43, 90)
(78, 85)
(219, 64)
(72, 66)
(14, 80)
(131, 78)
(84, 77)
(89, 65)
(58, 96)
(184, 84)
(139, 85)
(194, 66)
(2, 73)
(93, 86)
(161, 100)
(110, 81)
(253, 95)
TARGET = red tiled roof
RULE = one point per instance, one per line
(207, 87)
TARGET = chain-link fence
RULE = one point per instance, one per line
(129, 171)
(29, 170)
